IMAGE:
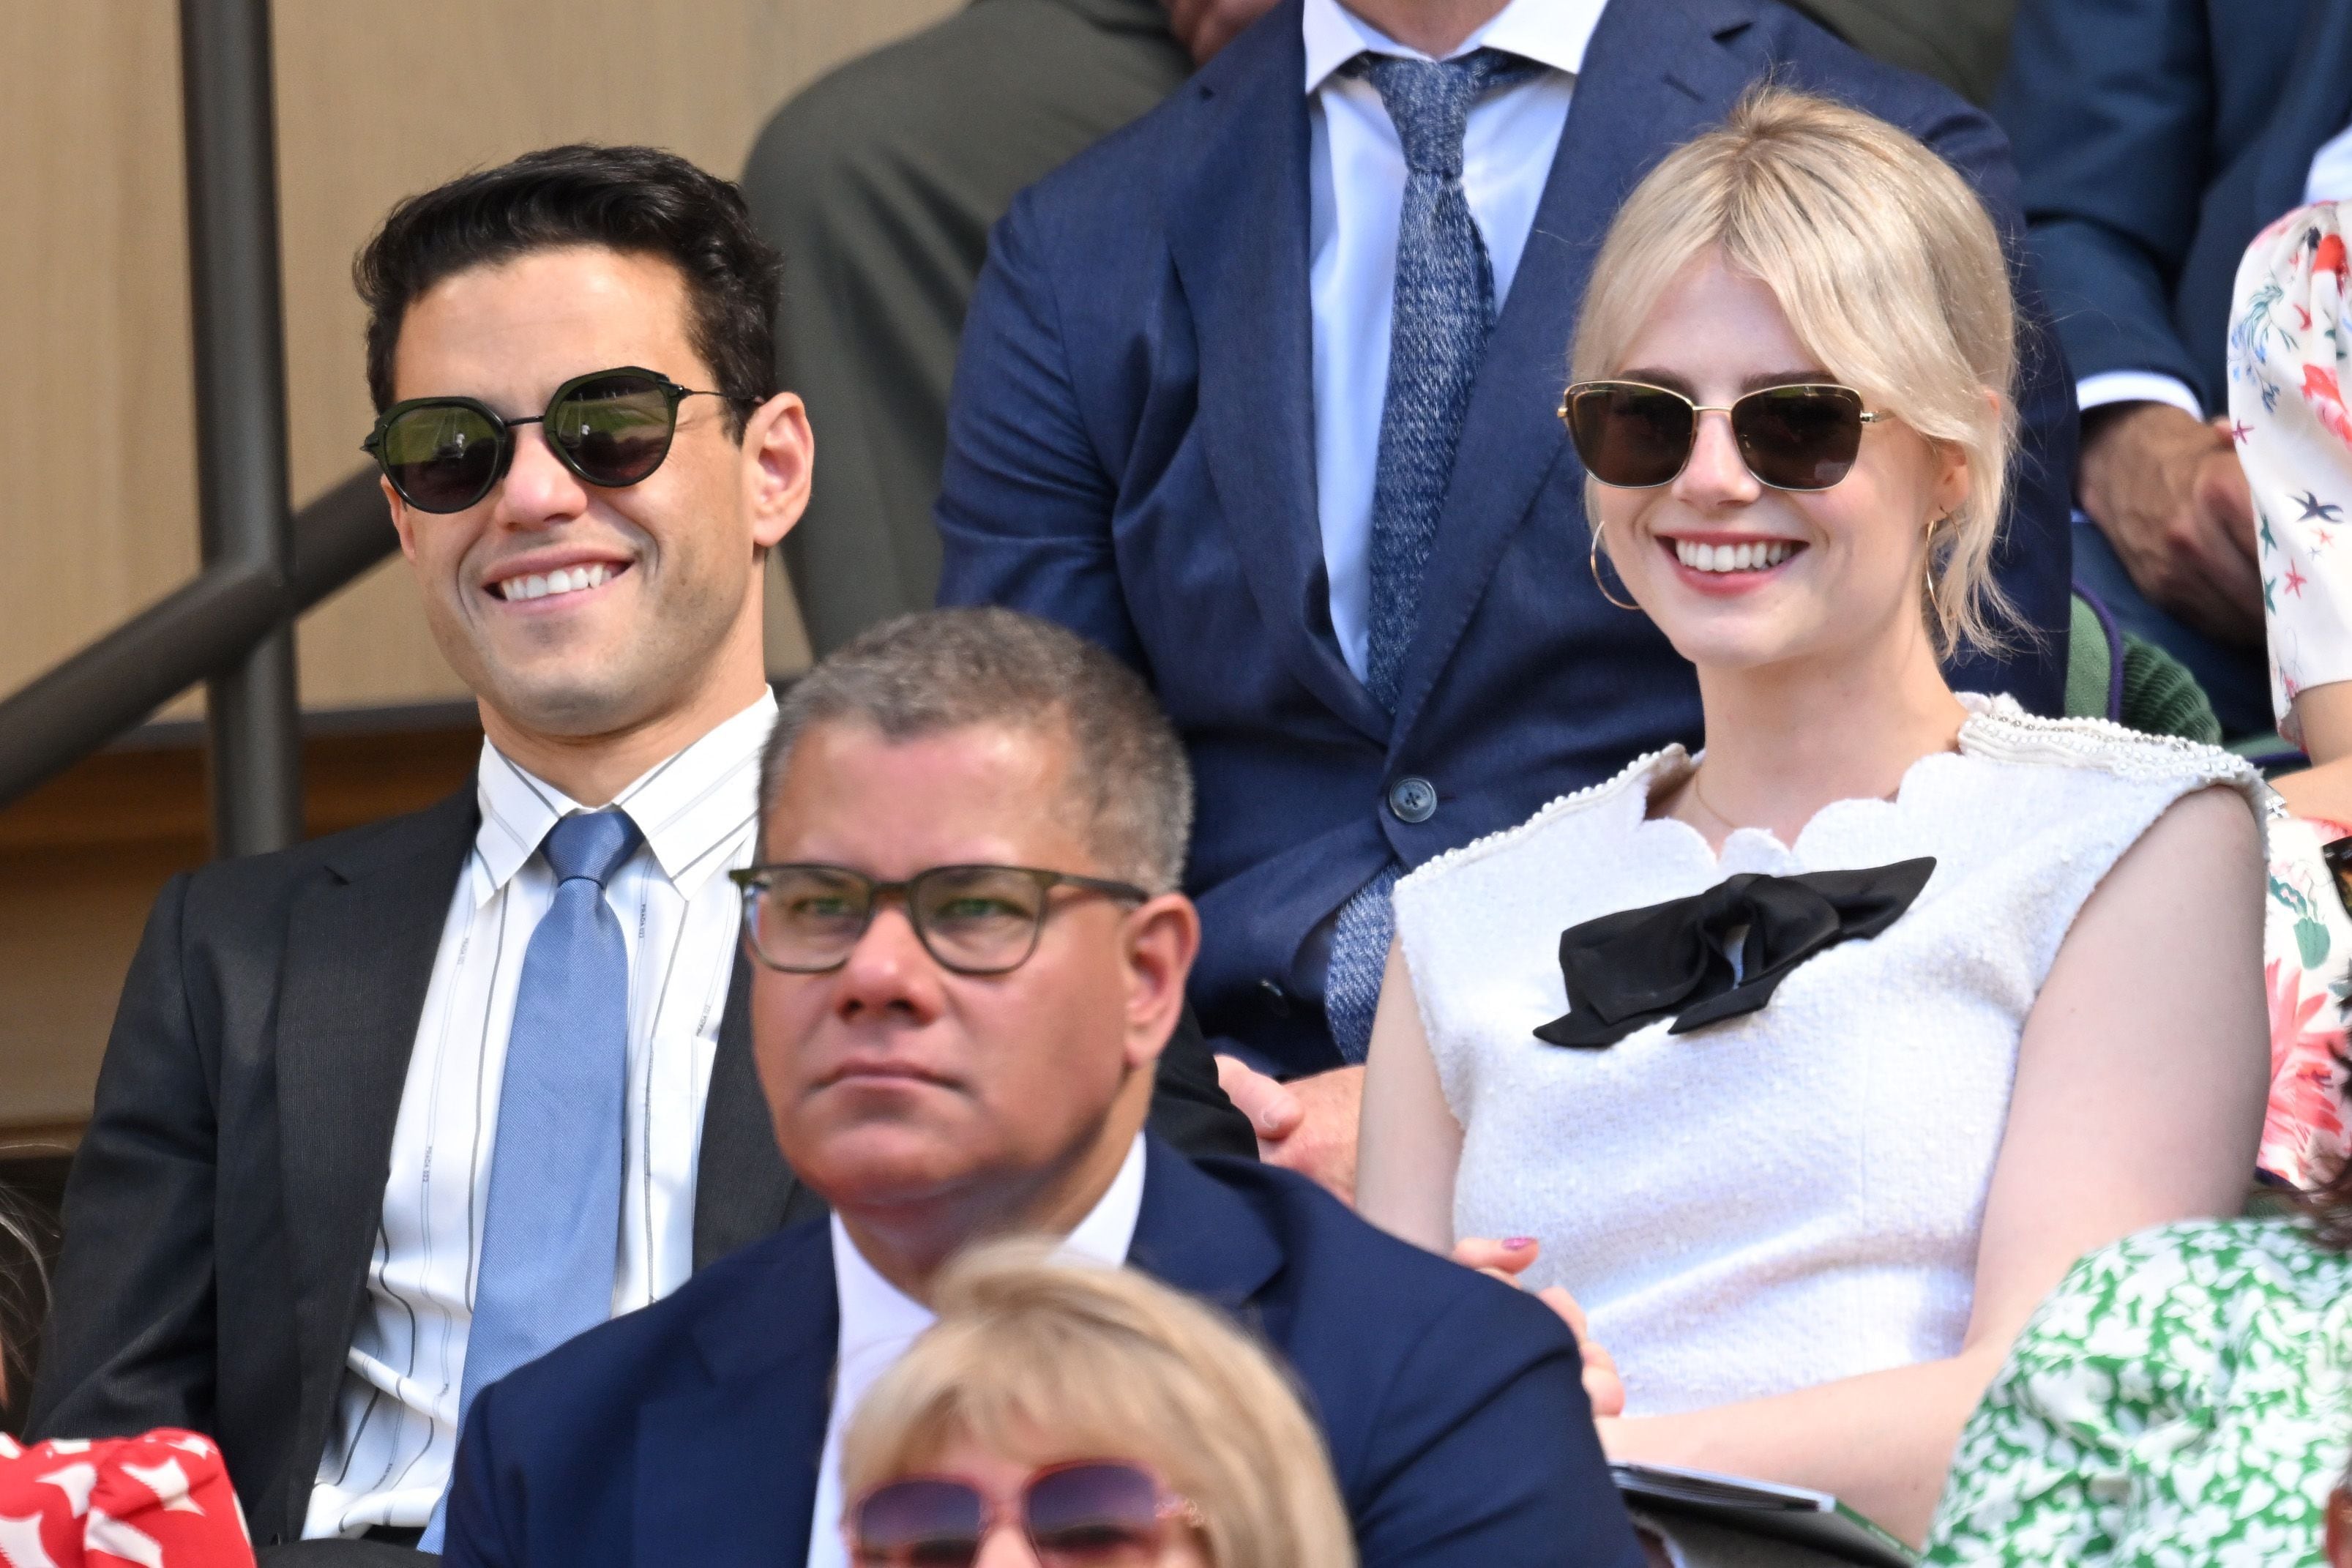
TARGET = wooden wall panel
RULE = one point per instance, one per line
(373, 102)
(97, 511)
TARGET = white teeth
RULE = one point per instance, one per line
(557, 581)
(1732, 557)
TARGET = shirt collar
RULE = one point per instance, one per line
(1551, 33)
(691, 807)
(876, 1314)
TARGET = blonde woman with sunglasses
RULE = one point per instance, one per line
(1806, 1064)
(1064, 1416)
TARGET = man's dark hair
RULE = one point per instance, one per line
(640, 201)
(943, 669)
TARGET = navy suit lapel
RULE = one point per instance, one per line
(1193, 1233)
(1654, 75)
(1238, 237)
(2313, 106)
(727, 1472)
(359, 948)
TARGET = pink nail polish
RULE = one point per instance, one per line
(1517, 1242)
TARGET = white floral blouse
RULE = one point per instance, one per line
(2184, 1397)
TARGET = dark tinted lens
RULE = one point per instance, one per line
(809, 917)
(1094, 1516)
(615, 429)
(1629, 436)
(918, 1523)
(978, 917)
(1798, 438)
(442, 456)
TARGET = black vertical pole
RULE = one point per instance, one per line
(240, 364)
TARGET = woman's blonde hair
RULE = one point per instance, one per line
(1888, 267)
(1043, 1361)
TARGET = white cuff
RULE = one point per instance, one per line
(2135, 386)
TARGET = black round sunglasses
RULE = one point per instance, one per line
(610, 428)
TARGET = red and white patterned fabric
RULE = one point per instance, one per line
(162, 1501)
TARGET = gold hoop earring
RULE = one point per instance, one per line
(1595, 561)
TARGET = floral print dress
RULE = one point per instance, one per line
(2307, 974)
(2289, 353)
(2183, 1398)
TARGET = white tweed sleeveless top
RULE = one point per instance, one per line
(1794, 1195)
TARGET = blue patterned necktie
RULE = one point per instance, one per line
(551, 1234)
(1444, 307)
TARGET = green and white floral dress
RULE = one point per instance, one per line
(2183, 1398)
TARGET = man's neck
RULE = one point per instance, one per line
(593, 769)
(908, 1243)
(1435, 27)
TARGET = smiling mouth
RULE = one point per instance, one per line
(1759, 556)
(554, 584)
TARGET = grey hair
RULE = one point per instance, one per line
(944, 670)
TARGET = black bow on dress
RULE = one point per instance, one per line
(1674, 959)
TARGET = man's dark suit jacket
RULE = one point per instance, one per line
(223, 1204)
(2156, 138)
(1131, 452)
(690, 1432)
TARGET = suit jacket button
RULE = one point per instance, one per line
(1278, 1000)
(1413, 799)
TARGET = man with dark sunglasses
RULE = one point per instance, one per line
(385, 1116)
(971, 949)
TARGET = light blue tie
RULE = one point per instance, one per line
(1444, 307)
(551, 1236)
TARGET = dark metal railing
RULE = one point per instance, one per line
(232, 628)
(197, 631)
(251, 707)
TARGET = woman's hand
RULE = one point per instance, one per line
(1506, 1260)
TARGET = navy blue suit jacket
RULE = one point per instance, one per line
(690, 1431)
(2156, 138)
(1131, 453)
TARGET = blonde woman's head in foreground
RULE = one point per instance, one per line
(1807, 242)
(1034, 1363)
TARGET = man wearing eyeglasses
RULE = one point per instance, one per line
(387, 1115)
(971, 949)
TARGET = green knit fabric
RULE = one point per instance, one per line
(2161, 698)
(2087, 664)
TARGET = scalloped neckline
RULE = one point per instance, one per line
(1687, 763)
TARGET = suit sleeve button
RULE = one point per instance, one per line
(1413, 799)
(1278, 1000)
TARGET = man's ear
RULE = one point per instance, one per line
(1163, 936)
(779, 458)
(403, 522)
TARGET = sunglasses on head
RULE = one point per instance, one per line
(611, 428)
(1093, 1513)
(1635, 436)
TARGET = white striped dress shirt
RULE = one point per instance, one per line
(389, 1451)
